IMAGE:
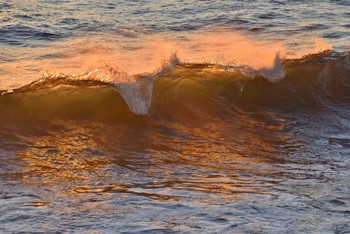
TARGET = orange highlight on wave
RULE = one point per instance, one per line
(125, 59)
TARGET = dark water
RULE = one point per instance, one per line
(189, 143)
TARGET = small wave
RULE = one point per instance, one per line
(208, 89)
(137, 89)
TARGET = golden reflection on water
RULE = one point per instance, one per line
(226, 165)
(58, 156)
(219, 159)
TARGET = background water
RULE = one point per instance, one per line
(216, 151)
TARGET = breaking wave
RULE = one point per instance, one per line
(195, 90)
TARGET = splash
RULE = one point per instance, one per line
(147, 54)
(131, 66)
(311, 46)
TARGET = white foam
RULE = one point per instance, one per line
(138, 93)
(273, 74)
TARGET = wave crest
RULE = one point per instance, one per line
(313, 79)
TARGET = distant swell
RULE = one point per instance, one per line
(179, 90)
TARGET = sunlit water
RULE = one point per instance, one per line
(212, 152)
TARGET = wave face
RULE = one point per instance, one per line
(316, 81)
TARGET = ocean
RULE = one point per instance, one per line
(207, 116)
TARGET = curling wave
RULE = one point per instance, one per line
(319, 80)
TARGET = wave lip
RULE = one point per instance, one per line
(316, 79)
(197, 90)
(273, 74)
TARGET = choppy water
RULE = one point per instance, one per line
(176, 116)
